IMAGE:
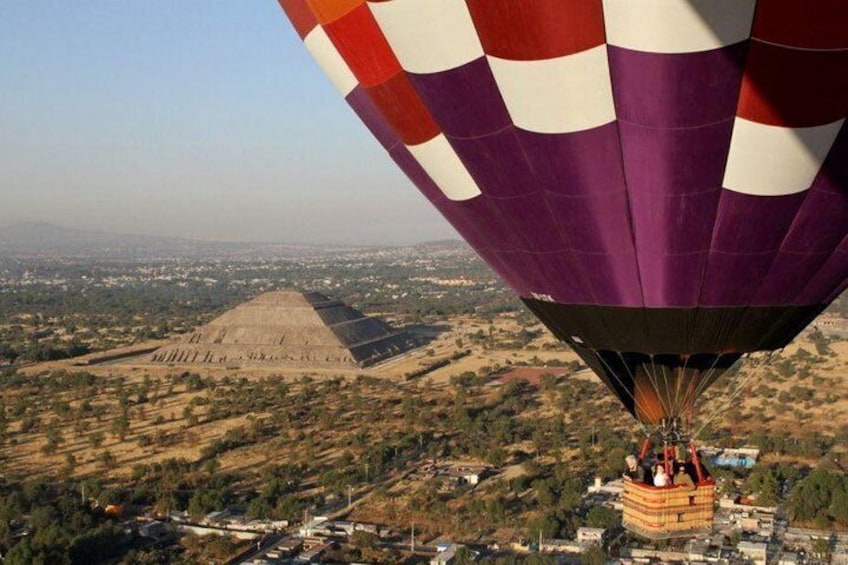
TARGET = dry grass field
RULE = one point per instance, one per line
(163, 414)
(369, 427)
(823, 406)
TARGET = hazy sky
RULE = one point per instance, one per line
(191, 118)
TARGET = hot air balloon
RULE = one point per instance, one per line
(664, 183)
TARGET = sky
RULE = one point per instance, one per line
(188, 118)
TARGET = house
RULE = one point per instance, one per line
(216, 517)
(755, 551)
(739, 457)
(315, 552)
(285, 548)
(560, 546)
(154, 529)
(590, 535)
(445, 557)
(178, 516)
(468, 474)
(788, 558)
(444, 546)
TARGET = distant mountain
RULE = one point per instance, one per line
(43, 239)
(40, 239)
(442, 244)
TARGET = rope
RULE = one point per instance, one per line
(680, 375)
(742, 384)
(665, 380)
(702, 384)
(654, 381)
(613, 373)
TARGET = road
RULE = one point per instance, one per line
(266, 544)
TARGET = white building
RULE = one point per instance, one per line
(788, 558)
(755, 551)
(445, 557)
(590, 535)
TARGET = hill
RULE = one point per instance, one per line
(41, 239)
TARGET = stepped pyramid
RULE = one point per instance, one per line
(289, 328)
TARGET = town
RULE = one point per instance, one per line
(744, 531)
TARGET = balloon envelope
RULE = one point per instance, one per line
(662, 182)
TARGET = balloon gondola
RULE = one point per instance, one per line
(664, 183)
(675, 510)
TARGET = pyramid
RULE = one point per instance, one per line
(289, 328)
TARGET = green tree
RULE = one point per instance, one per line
(593, 556)
(31, 552)
(821, 549)
(464, 556)
(364, 540)
(602, 517)
(107, 459)
(120, 426)
(839, 506)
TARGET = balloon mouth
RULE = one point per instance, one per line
(660, 391)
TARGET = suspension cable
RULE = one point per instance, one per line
(655, 382)
(621, 384)
(701, 385)
(680, 374)
(743, 382)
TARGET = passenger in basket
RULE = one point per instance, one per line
(682, 478)
(634, 472)
(660, 477)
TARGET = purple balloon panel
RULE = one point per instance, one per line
(787, 277)
(585, 162)
(613, 278)
(464, 101)
(672, 280)
(833, 176)
(753, 224)
(830, 280)
(596, 223)
(674, 161)
(497, 163)
(676, 90)
(819, 225)
(553, 274)
(507, 271)
(463, 224)
(532, 222)
(732, 279)
(674, 223)
(483, 216)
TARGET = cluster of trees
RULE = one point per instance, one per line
(768, 483)
(42, 350)
(277, 498)
(821, 499)
(43, 522)
(806, 444)
(51, 523)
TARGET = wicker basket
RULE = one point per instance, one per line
(668, 512)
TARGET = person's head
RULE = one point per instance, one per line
(660, 470)
(631, 461)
